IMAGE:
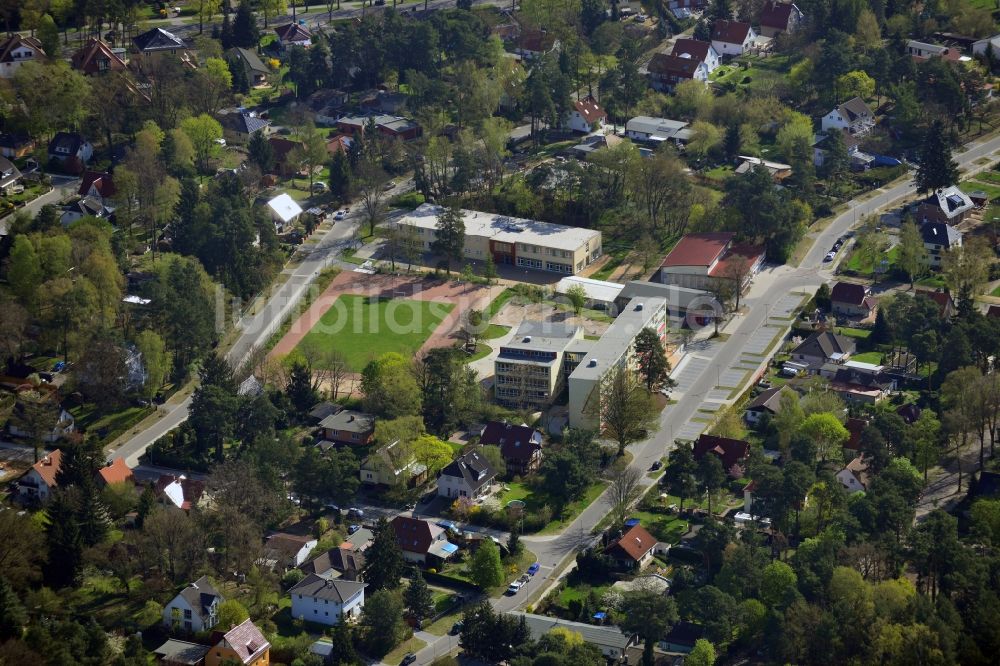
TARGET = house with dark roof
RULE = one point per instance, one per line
(70, 152)
(853, 115)
(939, 237)
(16, 144)
(289, 551)
(17, 50)
(698, 260)
(239, 126)
(345, 561)
(256, 71)
(949, 205)
(349, 427)
(682, 637)
(10, 175)
(859, 384)
(731, 452)
(293, 34)
(153, 45)
(732, 38)
(520, 446)
(585, 116)
(532, 44)
(97, 57)
(467, 476)
(824, 347)
(946, 304)
(610, 640)
(778, 17)
(852, 300)
(85, 207)
(181, 653)
(195, 608)
(326, 599)
(98, 185)
(421, 541)
(633, 549)
(283, 150)
(667, 70)
(909, 412)
(695, 49)
(766, 403)
(323, 409)
(394, 127)
(244, 644)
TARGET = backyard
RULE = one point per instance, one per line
(535, 500)
(363, 328)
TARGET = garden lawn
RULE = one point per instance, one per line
(482, 351)
(412, 644)
(859, 333)
(868, 357)
(494, 331)
(497, 304)
(363, 328)
(970, 186)
(535, 500)
(857, 264)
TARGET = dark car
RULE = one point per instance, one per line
(657, 464)
(456, 628)
(355, 512)
(408, 658)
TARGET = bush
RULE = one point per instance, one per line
(292, 577)
(409, 200)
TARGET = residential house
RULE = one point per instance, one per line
(696, 49)
(284, 152)
(766, 403)
(293, 34)
(70, 152)
(821, 145)
(38, 482)
(326, 599)
(181, 653)
(10, 176)
(698, 260)
(339, 143)
(778, 17)
(520, 446)
(682, 637)
(116, 472)
(180, 492)
(824, 347)
(17, 50)
(239, 126)
(657, 130)
(323, 409)
(530, 369)
(289, 550)
(608, 639)
(947, 204)
(15, 145)
(97, 57)
(633, 549)
(392, 465)
(326, 106)
(923, 51)
(853, 115)
(585, 116)
(349, 427)
(939, 237)
(85, 207)
(533, 44)
(946, 304)
(731, 452)
(384, 101)
(989, 45)
(732, 38)
(347, 563)
(468, 476)
(394, 127)
(852, 300)
(65, 426)
(777, 170)
(421, 541)
(862, 383)
(683, 9)
(855, 477)
(195, 608)
(98, 185)
(154, 45)
(256, 71)
(284, 210)
(244, 645)
(667, 70)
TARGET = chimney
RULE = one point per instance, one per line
(350, 418)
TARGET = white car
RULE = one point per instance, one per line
(339, 215)
(513, 588)
(830, 256)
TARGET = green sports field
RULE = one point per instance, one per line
(363, 328)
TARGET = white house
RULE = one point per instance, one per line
(39, 481)
(284, 210)
(64, 426)
(586, 116)
(853, 116)
(732, 38)
(289, 550)
(293, 34)
(698, 50)
(854, 477)
(325, 599)
(195, 608)
(469, 476)
(390, 465)
(17, 50)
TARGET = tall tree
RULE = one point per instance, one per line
(935, 167)
(711, 476)
(65, 543)
(418, 598)
(652, 358)
(624, 491)
(912, 253)
(485, 568)
(647, 614)
(449, 239)
(383, 559)
(341, 177)
(622, 404)
(261, 152)
(680, 472)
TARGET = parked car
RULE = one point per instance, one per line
(409, 657)
(830, 256)
(355, 512)
(513, 588)
(332, 507)
(388, 186)
(657, 464)
(533, 569)
(523, 579)
(351, 529)
(339, 216)
(319, 187)
(456, 628)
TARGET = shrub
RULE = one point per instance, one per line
(409, 200)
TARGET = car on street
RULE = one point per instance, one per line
(456, 628)
(351, 529)
(513, 588)
(319, 187)
(355, 512)
(657, 464)
(388, 186)
(533, 569)
(339, 216)
(332, 507)
(408, 658)
(830, 256)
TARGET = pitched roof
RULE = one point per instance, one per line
(200, 595)
(698, 249)
(673, 65)
(182, 652)
(589, 109)
(854, 109)
(909, 412)
(471, 467)
(731, 32)
(96, 49)
(855, 427)
(15, 140)
(287, 544)
(293, 32)
(634, 543)
(349, 420)
(338, 559)
(859, 468)
(65, 143)
(244, 122)
(48, 467)
(826, 345)
(323, 409)
(536, 41)
(730, 451)
(102, 182)
(414, 535)
(695, 48)
(16, 40)
(769, 399)
(327, 587)
(282, 147)
(251, 60)
(246, 640)
(602, 636)
(942, 298)
(158, 39)
(777, 14)
(737, 252)
(849, 293)
(285, 207)
(516, 442)
(116, 472)
(951, 200)
(182, 492)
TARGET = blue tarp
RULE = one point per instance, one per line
(447, 524)
(600, 615)
(885, 161)
(449, 548)
(631, 522)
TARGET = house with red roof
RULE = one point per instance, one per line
(243, 644)
(666, 70)
(779, 17)
(633, 549)
(116, 472)
(699, 259)
(38, 482)
(179, 492)
(852, 300)
(422, 542)
(695, 49)
(99, 185)
(731, 452)
(585, 116)
(293, 34)
(732, 38)
(520, 446)
(946, 304)
(96, 57)
(532, 44)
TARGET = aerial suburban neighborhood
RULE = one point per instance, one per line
(539, 333)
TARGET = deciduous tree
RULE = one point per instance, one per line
(622, 404)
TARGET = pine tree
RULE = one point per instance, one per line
(343, 652)
(450, 236)
(245, 32)
(418, 598)
(261, 152)
(653, 363)
(935, 169)
(383, 559)
(12, 614)
(147, 502)
(65, 544)
(241, 83)
(300, 390)
(341, 177)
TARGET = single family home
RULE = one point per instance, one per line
(696, 49)
(923, 51)
(610, 640)
(939, 237)
(532, 44)
(520, 446)
(657, 130)
(633, 549)
(116, 472)
(285, 211)
(345, 561)
(946, 204)
(422, 542)
(766, 403)
(853, 115)
(585, 116)
(667, 70)
(293, 34)
(39, 481)
(97, 57)
(243, 645)
(195, 608)
(10, 176)
(349, 427)
(325, 599)
(778, 17)
(824, 347)
(180, 492)
(732, 38)
(852, 300)
(239, 126)
(70, 152)
(289, 551)
(16, 50)
(85, 207)
(731, 452)
(854, 477)
(467, 476)
(394, 466)
(256, 71)
(156, 44)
